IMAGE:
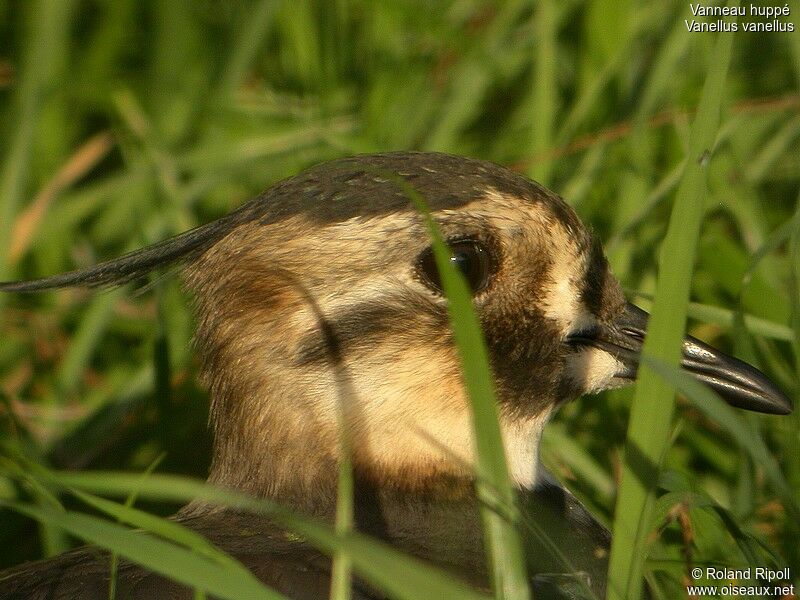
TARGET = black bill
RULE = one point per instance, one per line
(738, 383)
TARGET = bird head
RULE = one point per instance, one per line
(319, 304)
(329, 304)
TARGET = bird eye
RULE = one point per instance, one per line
(471, 258)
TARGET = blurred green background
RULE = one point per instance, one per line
(129, 121)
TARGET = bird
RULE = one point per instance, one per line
(331, 274)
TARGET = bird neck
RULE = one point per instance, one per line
(271, 445)
(299, 466)
(302, 473)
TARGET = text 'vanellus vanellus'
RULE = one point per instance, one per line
(342, 240)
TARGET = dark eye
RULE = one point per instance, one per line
(471, 258)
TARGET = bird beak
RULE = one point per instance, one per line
(738, 383)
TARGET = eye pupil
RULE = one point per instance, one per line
(467, 264)
(470, 257)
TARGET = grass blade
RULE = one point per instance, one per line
(504, 544)
(654, 402)
(46, 42)
(378, 563)
(737, 427)
(156, 555)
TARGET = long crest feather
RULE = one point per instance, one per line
(137, 264)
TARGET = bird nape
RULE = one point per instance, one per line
(330, 274)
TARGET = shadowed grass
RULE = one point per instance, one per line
(376, 562)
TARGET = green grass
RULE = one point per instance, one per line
(128, 121)
(191, 560)
(501, 520)
(654, 402)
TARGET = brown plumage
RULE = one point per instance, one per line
(323, 284)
